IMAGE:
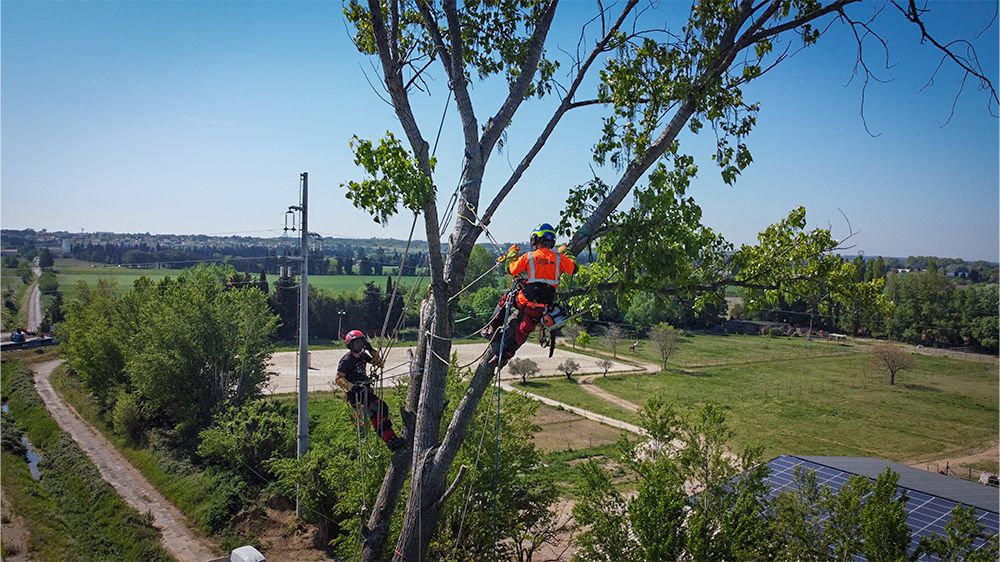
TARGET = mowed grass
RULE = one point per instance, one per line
(837, 406)
(569, 392)
(338, 284)
(697, 350)
(813, 398)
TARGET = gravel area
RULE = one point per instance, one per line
(323, 364)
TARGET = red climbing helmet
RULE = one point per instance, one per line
(353, 335)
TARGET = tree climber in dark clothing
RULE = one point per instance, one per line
(351, 377)
(542, 266)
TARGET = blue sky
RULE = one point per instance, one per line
(197, 117)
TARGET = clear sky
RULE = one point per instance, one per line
(197, 117)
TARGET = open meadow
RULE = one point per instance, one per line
(798, 397)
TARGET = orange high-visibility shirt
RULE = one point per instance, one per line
(543, 266)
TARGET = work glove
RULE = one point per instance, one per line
(512, 253)
(376, 359)
(345, 384)
(565, 251)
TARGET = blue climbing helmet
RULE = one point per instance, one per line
(544, 235)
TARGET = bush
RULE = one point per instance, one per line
(126, 418)
(228, 498)
(242, 439)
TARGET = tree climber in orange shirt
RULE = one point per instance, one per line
(540, 270)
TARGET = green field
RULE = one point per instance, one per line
(355, 283)
(124, 278)
(817, 404)
(695, 351)
(70, 272)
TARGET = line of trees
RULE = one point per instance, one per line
(364, 310)
(925, 307)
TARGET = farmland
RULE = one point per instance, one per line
(71, 272)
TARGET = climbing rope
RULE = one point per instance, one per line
(358, 421)
(496, 468)
(468, 493)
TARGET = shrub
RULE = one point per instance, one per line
(126, 417)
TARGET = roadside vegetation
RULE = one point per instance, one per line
(15, 280)
(72, 514)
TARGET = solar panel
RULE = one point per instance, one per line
(926, 514)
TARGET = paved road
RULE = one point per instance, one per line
(34, 303)
(178, 538)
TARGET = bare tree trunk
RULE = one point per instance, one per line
(385, 504)
(430, 473)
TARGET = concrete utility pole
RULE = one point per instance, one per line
(302, 443)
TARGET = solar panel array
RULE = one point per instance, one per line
(925, 514)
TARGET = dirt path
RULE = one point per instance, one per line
(963, 462)
(34, 303)
(178, 537)
(587, 384)
(578, 411)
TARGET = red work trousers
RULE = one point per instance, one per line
(531, 314)
(364, 399)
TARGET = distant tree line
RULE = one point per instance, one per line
(363, 310)
(928, 307)
(335, 259)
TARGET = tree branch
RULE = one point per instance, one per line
(792, 24)
(451, 489)
(973, 67)
(564, 106)
(430, 24)
(470, 125)
(529, 67)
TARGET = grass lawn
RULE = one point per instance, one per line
(697, 350)
(811, 397)
(355, 283)
(836, 406)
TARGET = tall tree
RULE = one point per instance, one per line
(651, 83)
